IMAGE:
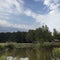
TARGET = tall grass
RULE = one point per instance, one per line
(57, 52)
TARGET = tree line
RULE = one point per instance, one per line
(40, 35)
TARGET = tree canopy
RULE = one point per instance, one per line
(41, 34)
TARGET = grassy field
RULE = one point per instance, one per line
(32, 45)
(24, 45)
(17, 45)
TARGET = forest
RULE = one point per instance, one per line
(40, 35)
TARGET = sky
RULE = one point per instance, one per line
(22, 15)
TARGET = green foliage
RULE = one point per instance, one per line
(56, 35)
(57, 52)
(30, 37)
(43, 34)
(39, 35)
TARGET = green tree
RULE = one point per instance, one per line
(55, 34)
(43, 34)
(30, 37)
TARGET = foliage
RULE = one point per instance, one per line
(39, 35)
(57, 52)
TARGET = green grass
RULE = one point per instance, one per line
(57, 52)
(16, 45)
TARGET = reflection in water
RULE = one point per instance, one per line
(19, 54)
(10, 58)
(26, 54)
(24, 58)
(14, 58)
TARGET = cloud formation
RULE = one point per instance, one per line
(10, 6)
(16, 7)
(4, 23)
(7, 8)
(52, 19)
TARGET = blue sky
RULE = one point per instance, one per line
(22, 15)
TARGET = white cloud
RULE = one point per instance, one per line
(28, 12)
(52, 19)
(4, 23)
(8, 7)
(11, 6)
(15, 7)
(52, 4)
(47, 2)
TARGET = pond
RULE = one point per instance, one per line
(26, 54)
(14, 58)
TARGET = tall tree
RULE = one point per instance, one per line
(30, 37)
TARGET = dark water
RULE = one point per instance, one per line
(19, 54)
(25, 54)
